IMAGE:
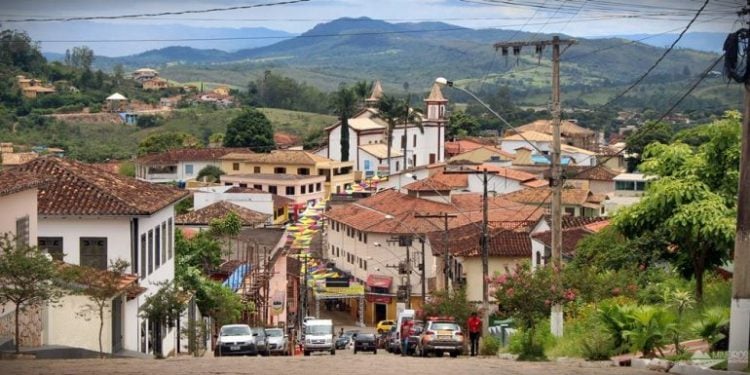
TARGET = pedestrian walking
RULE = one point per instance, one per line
(475, 330)
(406, 328)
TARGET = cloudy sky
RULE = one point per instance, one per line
(579, 18)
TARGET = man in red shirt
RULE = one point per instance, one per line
(475, 329)
(406, 331)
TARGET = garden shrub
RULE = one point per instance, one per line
(489, 345)
(596, 346)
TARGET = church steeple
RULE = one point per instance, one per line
(377, 93)
(435, 103)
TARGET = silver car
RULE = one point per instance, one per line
(277, 341)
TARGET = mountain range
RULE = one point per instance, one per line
(347, 50)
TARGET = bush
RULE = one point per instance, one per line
(490, 345)
(597, 346)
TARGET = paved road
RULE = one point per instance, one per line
(344, 362)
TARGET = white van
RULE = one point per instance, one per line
(319, 336)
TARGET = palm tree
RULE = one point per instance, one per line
(409, 115)
(362, 89)
(389, 110)
(344, 102)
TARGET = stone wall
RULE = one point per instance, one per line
(30, 323)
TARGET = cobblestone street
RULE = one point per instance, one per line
(344, 362)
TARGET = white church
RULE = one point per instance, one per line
(368, 137)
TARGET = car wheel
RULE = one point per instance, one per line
(307, 353)
(439, 354)
(333, 351)
(375, 351)
(355, 351)
(454, 354)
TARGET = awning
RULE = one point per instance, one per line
(379, 281)
(235, 279)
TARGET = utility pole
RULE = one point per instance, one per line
(446, 258)
(556, 182)
(739, 325)
(408, 279)
(424, 271)
(485, 259)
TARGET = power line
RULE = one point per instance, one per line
(659, 60)
(142, 15)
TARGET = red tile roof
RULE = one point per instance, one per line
(280, 201)
(576, 172)
(574, 230)
(461, 146)
(14, 181)
(545, 126)
(189, 154)
(509, 239)
(284, 140)
(510, 173)
(454, 180)
(219, 210)
(76, 188)
(570, 197)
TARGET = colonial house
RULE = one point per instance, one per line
(180, 164)
(369, 238)
(367, 129)
(90, 217)
(273, 205)
(571, 133)
(629, 188)
(534, 148)
(575, 202)
(18, 199)
(293, 173)
(574, 229)
(31, 88)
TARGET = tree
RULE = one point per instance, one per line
(528, 296)
(18, 50)
(162, 309)
(100, 286)
(226, 228)
(27, 278)
(690, 203)
(210, 173)
(644, 136)
(148, 121)
(390, 112)
(80, 58)
(462, 124)
(250, 129)
(362, 89)
(220, 303)
(202, 252)
(453, 304)
(344, 101)
(165, 141)
(215, 139)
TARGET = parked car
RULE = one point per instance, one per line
(235, 339)
(261, 341)
(278, 342)
(441, 335)
(392, 344)
(346, 338)
(365, 342)
(384, 326)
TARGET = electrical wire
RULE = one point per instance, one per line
(142, 15)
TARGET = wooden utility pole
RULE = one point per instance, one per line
(556, 182)
(485, 258)
(739, 325)
(446, 258)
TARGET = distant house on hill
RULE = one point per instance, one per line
(116, 102)
(571, 133)
(155, 84)
(31, 88)
(144, 74)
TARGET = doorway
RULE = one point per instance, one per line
(381, 311)
(116, 325)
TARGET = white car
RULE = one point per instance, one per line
(235, 339)
(277, 341)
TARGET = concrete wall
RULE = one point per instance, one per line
(473, 273)
(497, 183)
(74, 321)
(16, 206)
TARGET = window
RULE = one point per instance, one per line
(310, 188)
(403, 141)
(272, 189)
(415, 141)
(317, 187)
(259, 187)
(303, 171)
(170, 238)
(243, 185)
(143, 255)
(290, 190)
(279, 170)
(188, 169)
(164, 242)
(228, 184)
(365, 265)
(367, 165)
(624, 185)
(570, 211)
(150, 251)
(53, 246)
(640, 185)
(22, 231)
(235, 166)
(397, 166)
(94, 252)
(256, 169)
(359, 236)
(303, 189)
(157, 247)
(365, 237)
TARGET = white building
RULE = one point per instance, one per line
(180, 164)
(629, 188)
(91, 217)
(368, 137)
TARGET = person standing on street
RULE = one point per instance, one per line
(406, 328)
(475, 329)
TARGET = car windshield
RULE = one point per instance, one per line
(318, 330)
(274, 332)
(235, 331)
(444, 326)
(366, 336)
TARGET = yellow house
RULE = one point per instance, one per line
(222, 90)
(338, 175)
(484, 154)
